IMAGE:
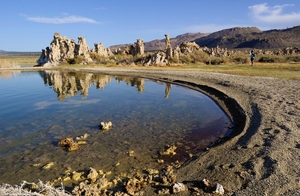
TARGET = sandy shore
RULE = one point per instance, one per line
(263, 157)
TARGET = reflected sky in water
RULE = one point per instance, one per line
(37, 109)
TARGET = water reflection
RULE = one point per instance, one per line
(145, 119)
(71, 103)
(8, 73)
(69, 84)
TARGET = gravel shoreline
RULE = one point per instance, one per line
(263, 156)
(263, 159)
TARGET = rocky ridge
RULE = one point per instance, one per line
(234, 38)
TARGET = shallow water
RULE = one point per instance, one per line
(38, 109)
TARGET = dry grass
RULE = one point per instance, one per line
(7, 64)
(6, 60)
(290, 71)
(275, 70)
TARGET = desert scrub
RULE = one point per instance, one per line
(292, 58)
(96, 57)
(200, 56)
(270, 59)
(186, 59)
(215, 61)
(100, 59)
(18, 59)
(8, 64)
(239, 59)
(76, 60)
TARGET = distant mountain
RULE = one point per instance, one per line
(233, 38)
(228, 38)
(2, 52)
(20, 53)
(252, 37)
(159, 44)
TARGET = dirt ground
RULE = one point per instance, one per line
(263, 155)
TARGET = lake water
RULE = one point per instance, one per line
(38, 109)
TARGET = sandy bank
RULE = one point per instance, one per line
(263, 157)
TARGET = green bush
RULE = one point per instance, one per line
(186, 59)
(271, 59)
(76, 60)
(95, 56)
(215, 61)
(99, 59)
(199, 56)
(239, 58)
(292, 58)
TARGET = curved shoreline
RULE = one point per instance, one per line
(263, 159)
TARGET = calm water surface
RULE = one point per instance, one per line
(38, 109)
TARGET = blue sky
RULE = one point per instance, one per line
(29, 25)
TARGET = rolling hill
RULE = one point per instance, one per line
(252, 37)
(233, 38)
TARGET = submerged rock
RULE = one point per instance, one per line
(219, 189)
(69, 143)
(48, 165)
(179, 187)
(93, 174)
(82, 137)
(66, 142)
(169, 151)
(105, 125)
(73, 147)
(216, 189)
(76, 176)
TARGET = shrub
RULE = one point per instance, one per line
(186, 58)
(76, 60)
(199, 56)
(95, 56)
(292, 58)
(239, 58)
(8, 64)
(99, 59)
(271, 59)
(215, 61)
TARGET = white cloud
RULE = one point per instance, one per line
(67, 103)
(60, 20)
(274, 15)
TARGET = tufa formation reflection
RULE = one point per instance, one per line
(69, 84)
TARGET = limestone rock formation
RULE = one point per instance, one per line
(216, 52)
(169, 50)
(188, 47)
(62, 48)
(136, 49)
(101, 50)
(177, 53)
(158, 58)
(140, 48)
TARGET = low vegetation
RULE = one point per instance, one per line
(284, 67)
(17, 60)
